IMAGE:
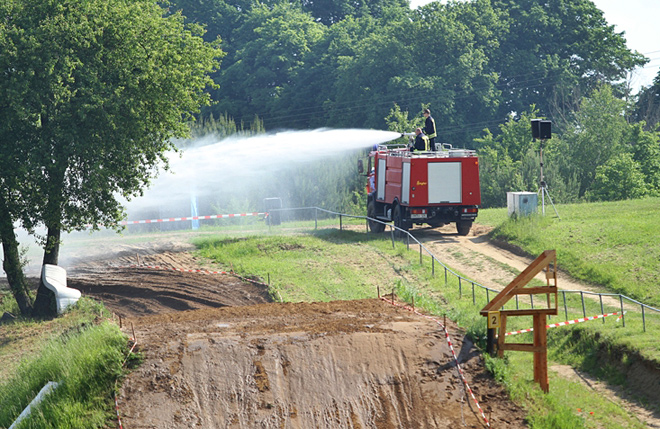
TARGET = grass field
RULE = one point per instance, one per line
(80, 350)
(328, 264)
(613, 244)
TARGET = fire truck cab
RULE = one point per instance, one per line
(434, 188)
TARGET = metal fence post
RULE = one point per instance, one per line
(531, 301)
(487, 295)
(392, 233)
(601, 306)
(445, 275)
(565, 308)
(584, 310)
(517, 308)
(474, 300)
(643, 318)
(340, 224)
(623, 317)
(316, 218)
(433, 265)
(420, 253)
(408, 242)
(460, 289)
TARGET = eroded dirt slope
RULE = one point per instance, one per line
(132, 292)
(350, 364)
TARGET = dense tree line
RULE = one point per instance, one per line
(306, 64)
(484, 67)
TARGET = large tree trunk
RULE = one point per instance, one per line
(44, 305)
(12, 261)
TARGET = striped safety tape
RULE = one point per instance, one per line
(453, 352)
(181, 219)
(570, 322)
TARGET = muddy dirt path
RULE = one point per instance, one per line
(343, 364)
(140, 291)
(216, 354)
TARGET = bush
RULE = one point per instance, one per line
(620, 178)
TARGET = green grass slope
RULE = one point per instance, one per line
(613, 244)
(80, 350)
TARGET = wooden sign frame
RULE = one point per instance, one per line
(546, 261)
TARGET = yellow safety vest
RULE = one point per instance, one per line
(426, 142)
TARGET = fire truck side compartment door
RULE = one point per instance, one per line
(380, 186)
(445, 182)
(405, 183)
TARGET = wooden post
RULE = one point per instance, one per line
(541, 353)
(501, 336)
(490, 341)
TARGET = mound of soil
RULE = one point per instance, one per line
(347, 364)
(133, 292)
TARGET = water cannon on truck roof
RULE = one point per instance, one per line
(434, 188)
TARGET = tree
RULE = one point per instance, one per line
(271, 49)
(620, 178)
(647, 108)
(555, 52)
(331, 12)
(96, 90)
(598, 133)
(646, 152)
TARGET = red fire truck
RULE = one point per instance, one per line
(436, 188)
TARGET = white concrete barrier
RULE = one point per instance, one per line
(54, 277)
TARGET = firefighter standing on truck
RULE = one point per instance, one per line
(421, 141)
(429, 128)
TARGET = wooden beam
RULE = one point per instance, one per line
(529, 312)
(521, 280)
(535, 290)
(521, 347)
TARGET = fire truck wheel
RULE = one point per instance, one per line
(398, 222)
(371, 212)
(463, 228)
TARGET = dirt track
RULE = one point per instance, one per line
(230, 363)
(344, 364)
(489, 264)
(132, 292)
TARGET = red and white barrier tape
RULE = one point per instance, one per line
(181, 219)
(570, 322)
(453, 352)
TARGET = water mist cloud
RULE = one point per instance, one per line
(246, 161)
